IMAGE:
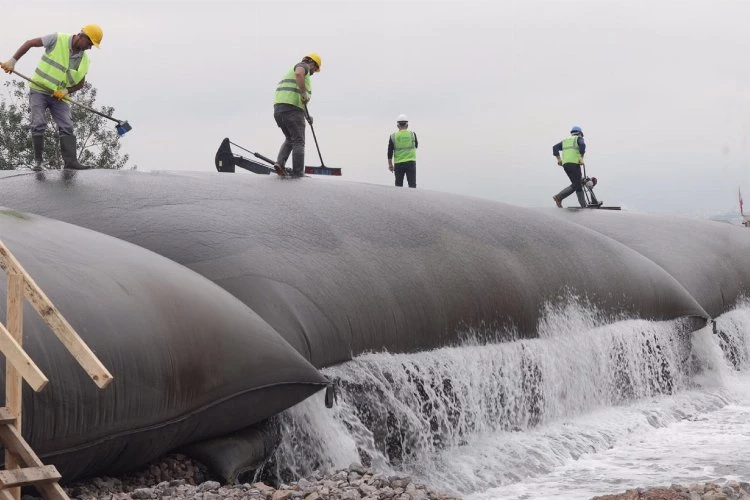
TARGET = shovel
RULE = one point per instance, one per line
(122, 127)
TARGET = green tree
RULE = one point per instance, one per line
(98, 142)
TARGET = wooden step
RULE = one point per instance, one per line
(6, 417)
(28, 475)
(17, 445)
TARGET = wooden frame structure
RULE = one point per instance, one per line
(22, 465)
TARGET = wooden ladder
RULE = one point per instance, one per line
(33, 472)
(23, 466)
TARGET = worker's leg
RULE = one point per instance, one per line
(38, 106)
(63, 117)
(576, 176)
(286, 146)
(399, 170)
(295, 122)
(411, 174)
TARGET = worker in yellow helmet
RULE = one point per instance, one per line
(293, 93)
(61, 71)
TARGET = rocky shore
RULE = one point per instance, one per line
(732, 490)
(177, 477)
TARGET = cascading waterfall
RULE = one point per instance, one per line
(480, 415)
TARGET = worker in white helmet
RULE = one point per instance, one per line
(402, 151)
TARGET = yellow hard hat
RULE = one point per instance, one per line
(316, 57)
(94, 32)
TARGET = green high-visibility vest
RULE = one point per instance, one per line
(404, 146)
(287, 91)
(54, 72)
(570, 151)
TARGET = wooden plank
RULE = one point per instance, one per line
(13, 380)
(18, 359)
(51, 491)
(28, 475)
(59, 325)
(6, 416)
(15, 443)
(6, 495)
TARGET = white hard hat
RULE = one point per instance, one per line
(402, 118)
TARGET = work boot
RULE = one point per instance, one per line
(279, 169)
(68, 148)
(38, 142)
(558, 201)
(581, 199)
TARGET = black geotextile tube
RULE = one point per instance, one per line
(190, 362)
(342, 268)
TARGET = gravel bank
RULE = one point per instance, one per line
(732, 490)
(177, 477)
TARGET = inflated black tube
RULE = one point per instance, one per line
(710, 259)
(189, 360)
(342, 268)
(232, 457)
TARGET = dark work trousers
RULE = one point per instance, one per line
(60, 111)
(292, 123)
(410, 169)
(573, 170)
(574, 174)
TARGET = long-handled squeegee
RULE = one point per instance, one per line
(122, 127)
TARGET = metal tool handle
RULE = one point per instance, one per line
(307, 116)
(69, 99)
(257, 155)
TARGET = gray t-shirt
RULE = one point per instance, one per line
(49, 42)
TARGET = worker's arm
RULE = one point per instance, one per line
(416, 142)
(77, 86)
(390, 154)
(299, 74)
(34, 42)
(556, 151)
(10, 64)
(581, 147)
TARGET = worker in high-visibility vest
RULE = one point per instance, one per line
(573, 148)
(61, 71)
(293, 92)
(402, 150)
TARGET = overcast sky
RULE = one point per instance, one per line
(660, 88)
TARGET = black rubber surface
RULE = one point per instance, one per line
(189, 360)
(340, 268)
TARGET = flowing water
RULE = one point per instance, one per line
(593, 406)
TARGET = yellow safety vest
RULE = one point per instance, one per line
(287, 91)
(54, 72)
(404, 146)
(570, 151)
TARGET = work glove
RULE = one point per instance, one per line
(309, 119)
(305, 97)
(8, 65)
(559, 162)
(60, 94)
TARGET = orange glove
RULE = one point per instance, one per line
(60, 94)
